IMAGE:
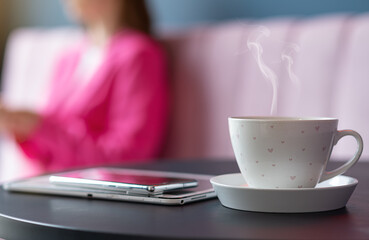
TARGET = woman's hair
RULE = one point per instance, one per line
(135, 15)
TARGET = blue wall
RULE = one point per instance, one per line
(184, 13)
(172, 14)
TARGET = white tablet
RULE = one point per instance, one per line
(42, 185)
(122, 180)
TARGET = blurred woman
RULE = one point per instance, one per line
(108, 101)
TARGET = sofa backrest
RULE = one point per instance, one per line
(214, 76)
(29, 58)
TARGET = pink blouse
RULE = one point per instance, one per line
(120, 115)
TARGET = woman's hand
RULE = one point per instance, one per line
(21, 123)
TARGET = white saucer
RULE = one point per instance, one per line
(233, 192)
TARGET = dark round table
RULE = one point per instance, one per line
(31, 216)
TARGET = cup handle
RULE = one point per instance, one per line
(340, 134)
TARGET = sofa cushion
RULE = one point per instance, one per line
(214, 76)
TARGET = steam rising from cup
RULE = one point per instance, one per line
(287, 54)
(253, 44)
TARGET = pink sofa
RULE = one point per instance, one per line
(214, 76)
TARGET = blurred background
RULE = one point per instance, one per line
(209, 82)
(173, 15)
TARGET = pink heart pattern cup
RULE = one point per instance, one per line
(276, 152)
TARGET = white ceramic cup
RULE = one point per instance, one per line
(278, 152)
